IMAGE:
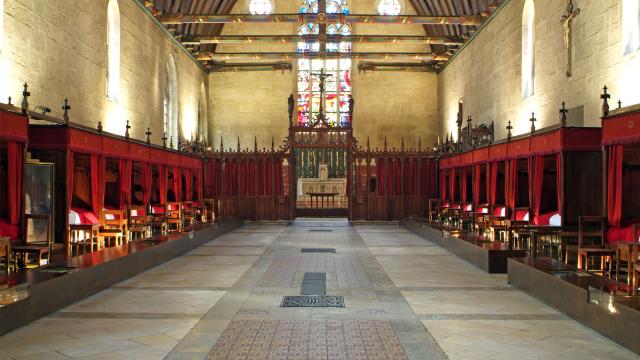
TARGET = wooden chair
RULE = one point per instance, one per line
(188, 213)
(433, 210)
(466, 217)
(519, 234)
(113, 225)
(481, 217)
(200, 211)
(38, 244)
(209, 206)
(590, 227)
(635, 260)
(158, 219)
(139, 222)
(173, 213)
(498, 216)
(5, 252)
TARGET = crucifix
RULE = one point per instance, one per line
(563, 115)
(322, 77)
(566, 23)
(533, 122)
(66, 109)
(509, 127)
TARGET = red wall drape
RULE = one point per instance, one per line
(94, 171)
(14, 169)
(614, 185)
(278, 177)
(476, 183)
(252, 177)
(243, 178)
(198, 190)
(424, 177)
(493, 191)
(512, 181)
(559, 181)
(443, 185)
(536, 177)
(103, 184)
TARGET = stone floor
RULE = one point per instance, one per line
(405, 299)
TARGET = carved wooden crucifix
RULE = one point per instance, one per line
(566, 23)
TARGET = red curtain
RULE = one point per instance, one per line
(614, 185)
(146, 179)
(278, 177)
(14, 168)
(536, 177)
(406, 174)
(476, 184)
(177, 183)
(493, 190)
(380, 176)
(559, 181)
(231, 177)
(70, 167)
(124, 180)
(443, 185)
(94, 171)
(512, 185)
(188, 185)
(424, 177)
(487, 181)
(163, 176)
(398, 173)
(198, 190)
(452, 185)
(243, 177)
(463, 185)
(103, 184)
(252, 177)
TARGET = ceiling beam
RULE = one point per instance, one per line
(288, 56)
(237, 67)
(250, 39)
(177, 19)
(395, 66)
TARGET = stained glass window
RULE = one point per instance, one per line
(260, 7)
(630, 25)
(528, 44)
(113, 50)
(389, 7)
(337, 72)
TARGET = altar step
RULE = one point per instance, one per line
(320, 222)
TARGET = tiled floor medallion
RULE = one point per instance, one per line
(312, 301)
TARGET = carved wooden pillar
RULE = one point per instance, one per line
(368, 184)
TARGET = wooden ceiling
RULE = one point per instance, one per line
(422, 7)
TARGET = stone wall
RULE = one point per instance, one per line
(486, 74)
(59, 48)
(254, 104)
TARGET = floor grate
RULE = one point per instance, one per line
(320, 230)
(312, 301)
(318, 250)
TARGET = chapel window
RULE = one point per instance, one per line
(528, 48)
(113, 50)
(389, 7)
(630, 25)
(171, 103)
(260, 7)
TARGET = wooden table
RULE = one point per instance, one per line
(21, 252)
(5, 251)
(322, 196)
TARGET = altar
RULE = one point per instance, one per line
(306, 187)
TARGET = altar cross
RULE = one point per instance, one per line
(566, 23)
(563, 115)
(533, 122)
(323, 76)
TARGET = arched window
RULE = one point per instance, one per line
(203, 124)
(260, 7)
(630, 25)
(528, 48)
(337, 71)
(389, 7)
(171, 102)
(113, 51)
(1, 24)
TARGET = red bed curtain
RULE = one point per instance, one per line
(493, 189)
(536, 177)
(14, 168)
(559, 181)
(476, 183)
(278, 177)
(443, 185)
(512, 181)
(96, 195)
(614, 185)
(252, 177)
(103, 184)
(463, 185)
(198, 190)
